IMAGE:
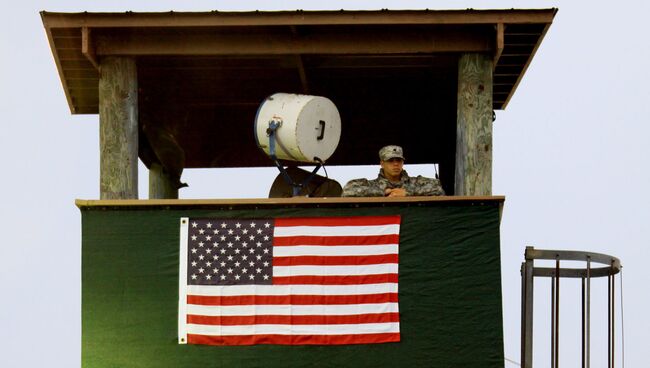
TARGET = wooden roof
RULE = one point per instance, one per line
(208, 69)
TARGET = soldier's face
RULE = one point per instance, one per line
(393, 167)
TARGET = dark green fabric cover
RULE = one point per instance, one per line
(449, 291)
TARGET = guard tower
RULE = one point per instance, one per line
(180, 90)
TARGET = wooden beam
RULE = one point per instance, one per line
(59, 66)
(499, 44)
(118, 128)
(386, 41)
(161, 186)
(87, 48)
(266, 202)
(259, 18)
(474, 126)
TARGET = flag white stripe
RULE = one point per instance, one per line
(288, 310)
(354, 270)
(345, 329)
(370, 230)
(236, 290)
(339, 250)
(182, 283)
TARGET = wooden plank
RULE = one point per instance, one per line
(499, 44)
(89, 203)
(65, 33)
(67, 43)
(526, 64)
(118, 133)
(70, 54)
(403, 61)
(505, 79)
(523, 49)
(87, 48)
(87, 110)
(86, 73)
(520, 40)
(189, 19)
(83, 84)
(59, 67)
(513, 69)
(382, 41)
(526, 29)
(211, 64)
(474, 126)
(77, 65)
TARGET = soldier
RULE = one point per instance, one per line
(392, 181)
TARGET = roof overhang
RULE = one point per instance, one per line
(393, 75)
(80, 40)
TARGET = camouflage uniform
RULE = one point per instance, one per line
(418, 186)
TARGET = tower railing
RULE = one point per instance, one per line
(607, 266)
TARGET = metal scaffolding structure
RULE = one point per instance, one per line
(612, 266)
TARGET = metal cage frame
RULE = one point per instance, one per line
(529, 272)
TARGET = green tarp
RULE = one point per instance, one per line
(449, 289)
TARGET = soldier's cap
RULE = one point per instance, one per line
(388, 152)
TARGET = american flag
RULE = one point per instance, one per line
(289, 281)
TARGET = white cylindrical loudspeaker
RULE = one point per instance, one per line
(309, 127)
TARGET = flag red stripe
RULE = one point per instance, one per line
(293, 320)
(335, 260)
(338, 221)
(294, 339)
(336, 280)
(292, 299)
(336, 240)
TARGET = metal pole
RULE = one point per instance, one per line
(523, 315)
(588, 317)
(613, 318)
(528, 348)
(557, 312)
(609, 322)
(583, 321)
(622, 323)
(553, 322)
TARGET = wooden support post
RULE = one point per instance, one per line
(499, 44)
(118, 128)
(474, 126)
(86, 47)
(160, 185)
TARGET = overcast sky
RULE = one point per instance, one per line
(570, 155)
